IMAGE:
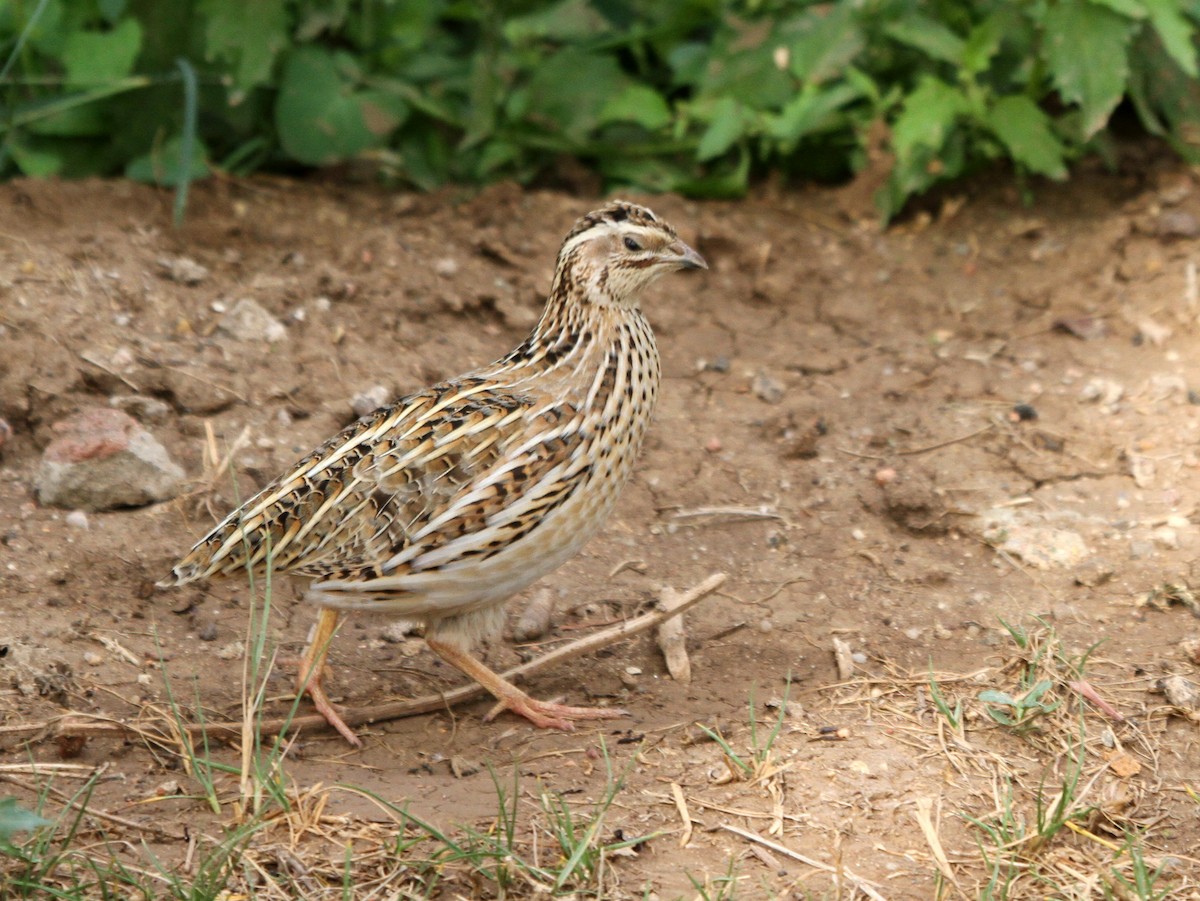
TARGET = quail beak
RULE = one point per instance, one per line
(683, 257)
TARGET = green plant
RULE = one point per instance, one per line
(1143, 880)
(760, 746)
(1021, 712)
(721, 888)
(952, 715)
(14, 819)
(697, 97)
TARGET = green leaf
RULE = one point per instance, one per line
(929, 36)
(724, 128)
(112, 10)
(16, 819)
(565, 22)
(1177, 33)
(929, 113)
(1034, 695)
(248, 34)
(1027, 134)
(992, 696)
(566, 92)
(160, 166)
(813, 109)
(640, 104)
(34, 158)
(321, 116)
(1130, 9)
(983, 42)
(92, 57)
(829, 42)
(1086, 51)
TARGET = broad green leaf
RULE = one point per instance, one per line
(1130, 9)
(743, 67)
(1026, 133)
(1086, 51)
(86, 120)
(248, 33)
(568, 90)
(317, 17)
(830, 39)
(982, 43)
(485, 93)
(812, 110)
(160, 165)
(93, 57)
(112, 10)
(1177, 33)
(14, 818)
(567, 21)
(994, 696)
(320, 116)
(724, 128)
(34, 158)
(929, 36)
(928, 114)
(688, 62)
(640, 104)
(1166, 100)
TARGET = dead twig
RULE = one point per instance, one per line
(684, 814)
(861, 884)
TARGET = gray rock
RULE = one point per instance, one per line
(370, 399)
(248, 320)
(767, 388)
(101, 460)
(184, 270)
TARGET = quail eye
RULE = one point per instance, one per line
(632, 244)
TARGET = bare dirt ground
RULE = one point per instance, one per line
(841, 431)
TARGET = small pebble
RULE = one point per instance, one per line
(446, 267)
(858, 657)
(1166, 537)
(144, 679)
(713, 445)
(858, 534)
(370, 399)
(91, 658)
(633, 670)
(913, 633)
(396, 632)
(1180, 691)
(1024, 413)
(1178, 224)
(1140, 550)
(765, 626)
(77, 519)
(231, 651)
(885, 475)
(208, 632)
(767, 388)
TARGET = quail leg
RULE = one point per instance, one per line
(542, 714)
(312, 667)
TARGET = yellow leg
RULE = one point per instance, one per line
(312, 667)
(542, 714)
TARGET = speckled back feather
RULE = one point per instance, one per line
(457, 496)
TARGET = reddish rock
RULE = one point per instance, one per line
(103, 459)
